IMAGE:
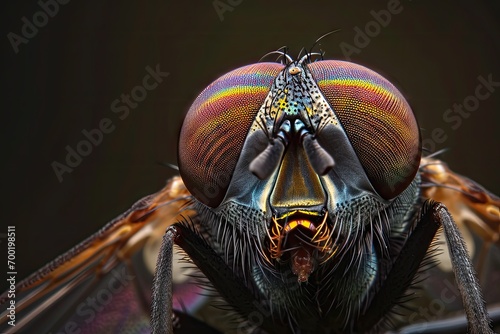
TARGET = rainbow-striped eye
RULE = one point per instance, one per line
(216, 126)
(269, 136)
(377, 120)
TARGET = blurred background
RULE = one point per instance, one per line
(61, 78)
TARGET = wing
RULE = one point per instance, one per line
(477, 213)
(439, 307)
(103, 284)
(474, 208)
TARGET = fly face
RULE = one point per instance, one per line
(299, 201)
(306, 172)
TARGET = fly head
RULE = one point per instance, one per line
(300, 172)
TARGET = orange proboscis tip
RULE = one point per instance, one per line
(302, 222)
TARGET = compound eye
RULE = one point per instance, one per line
(378, 121)
(215, 128)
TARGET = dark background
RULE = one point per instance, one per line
(65, 78)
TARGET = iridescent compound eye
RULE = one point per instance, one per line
(377, 120)
(215, 128)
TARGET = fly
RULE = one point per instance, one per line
(303, 199)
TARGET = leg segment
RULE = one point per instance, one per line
(465, 276)
(403, 270)
(161, 308)
(433, 215)
(215, 269)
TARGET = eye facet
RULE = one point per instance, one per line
(378, 122)
(215, 128)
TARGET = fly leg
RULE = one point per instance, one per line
(162, 317)
(215, 269)
(433, 215)
(403, 270)
(465, 276)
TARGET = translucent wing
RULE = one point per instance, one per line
(477, 213)
(103, 284)
(474, 208)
